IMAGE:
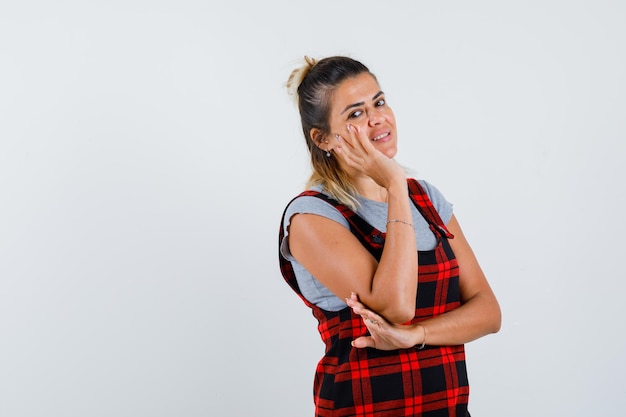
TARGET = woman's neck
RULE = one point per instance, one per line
(369, 189)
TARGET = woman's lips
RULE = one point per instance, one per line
(382, 137)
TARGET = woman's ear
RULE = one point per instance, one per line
(317, 137)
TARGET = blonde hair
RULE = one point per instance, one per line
(312, 86)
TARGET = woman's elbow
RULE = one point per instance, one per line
(487, 312)
(399, 315)
(495, 322)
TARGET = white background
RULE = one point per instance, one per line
(147, 149)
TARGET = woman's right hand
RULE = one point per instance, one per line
(359, 154)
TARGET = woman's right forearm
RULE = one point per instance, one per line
(394, 284)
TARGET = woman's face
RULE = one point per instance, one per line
(358, 101)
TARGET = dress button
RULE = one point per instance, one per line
(378, 239)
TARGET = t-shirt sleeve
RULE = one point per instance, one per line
(443, 207)
(308, 205)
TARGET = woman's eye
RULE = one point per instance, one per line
(355, 114)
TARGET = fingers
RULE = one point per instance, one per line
(340, 143)
(350, 139)
(354, 145)
(357, 152)
(358, 140)
(345, 148)
(370, 318)
(357, 307)
(361, 310)
(363, 342)
(353, 301)
(375, 324)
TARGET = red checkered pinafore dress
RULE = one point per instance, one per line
(431, 382)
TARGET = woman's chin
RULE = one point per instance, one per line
(390, 152)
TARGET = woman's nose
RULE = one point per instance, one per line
(374, 118)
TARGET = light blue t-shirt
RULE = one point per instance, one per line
(375, 213)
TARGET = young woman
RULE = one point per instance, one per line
(379, 258)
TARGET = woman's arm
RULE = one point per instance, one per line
(339, 261)
(478, 315)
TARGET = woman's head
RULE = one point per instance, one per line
(314, 85)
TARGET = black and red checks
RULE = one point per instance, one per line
(431, 382)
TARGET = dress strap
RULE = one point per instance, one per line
(427, 209)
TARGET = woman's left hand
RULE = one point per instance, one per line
(478, 315)
(383, 335)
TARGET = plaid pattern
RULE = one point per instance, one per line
(431, 382)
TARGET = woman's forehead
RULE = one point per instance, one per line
(361, 88)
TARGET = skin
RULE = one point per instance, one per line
(329, 251)
(478, 315)
(386, 290)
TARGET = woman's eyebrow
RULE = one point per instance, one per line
(360, 103)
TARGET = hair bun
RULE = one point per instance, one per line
(298, 75)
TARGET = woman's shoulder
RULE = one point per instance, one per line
(427, 186)
(441, 204)
(310, 203)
